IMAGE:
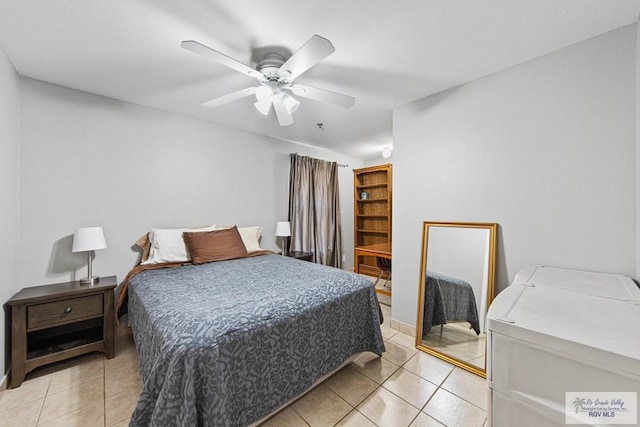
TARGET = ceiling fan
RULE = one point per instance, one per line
(275, 77)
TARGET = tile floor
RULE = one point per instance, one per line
(404, 387)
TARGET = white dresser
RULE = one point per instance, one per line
(555, 331)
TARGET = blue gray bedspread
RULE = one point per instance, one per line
(227, 343)
(448, 298)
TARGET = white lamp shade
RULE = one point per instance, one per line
(88, 239)
(283, 229)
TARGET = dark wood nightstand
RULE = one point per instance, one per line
(55, 322)
(304, 256)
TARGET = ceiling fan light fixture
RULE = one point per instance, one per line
(290, 103)
(263, 107)
(264, 95)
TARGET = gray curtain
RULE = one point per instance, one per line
(314, 209)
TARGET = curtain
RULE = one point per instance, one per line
(314, 209)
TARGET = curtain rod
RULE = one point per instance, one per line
(340, 165)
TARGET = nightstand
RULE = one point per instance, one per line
(304, 256)
(55, 322)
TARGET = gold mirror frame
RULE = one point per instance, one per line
(490, 269)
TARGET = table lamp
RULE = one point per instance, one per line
(88, 239)
(283, 229)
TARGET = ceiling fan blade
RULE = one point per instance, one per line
(313, 51)
(284, 117)
(220, 58)
(225, 99)
(322, 95)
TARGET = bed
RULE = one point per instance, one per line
(227, 343)
(448, 299)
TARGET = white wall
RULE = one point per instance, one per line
(94, 161)
(547, 149)
(9, 184)
(378, 161)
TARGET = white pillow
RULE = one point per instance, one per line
(167, 244)
(250, 237)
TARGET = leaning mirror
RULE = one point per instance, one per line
(456, 288)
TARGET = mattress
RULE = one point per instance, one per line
(226, 343)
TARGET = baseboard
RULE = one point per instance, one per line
(402, 327)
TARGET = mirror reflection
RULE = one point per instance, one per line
(456, 288)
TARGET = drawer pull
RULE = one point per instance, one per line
(67, 310)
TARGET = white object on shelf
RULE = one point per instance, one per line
(555, 331)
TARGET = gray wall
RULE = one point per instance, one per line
(547, 149)
(94, 161)
(9, 184)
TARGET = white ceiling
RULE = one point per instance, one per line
(388, 53)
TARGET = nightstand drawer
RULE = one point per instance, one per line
(66, 311)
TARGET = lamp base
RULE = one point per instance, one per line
(89, 280)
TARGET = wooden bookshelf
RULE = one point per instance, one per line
(372, 215)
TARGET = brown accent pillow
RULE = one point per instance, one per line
(216, 245)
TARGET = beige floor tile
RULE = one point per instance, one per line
(410, 387)
(429, 367)
(351, 385)
(321, 407)
(453, 411)
(384, 299)
(123, 344)
(81, 370)
(65, 364)
(123, 423)
(404, 340)
(126, 358)
(397, 353)
(374, 367)
(285, 418)
(424, 420)
(91, 415)
(24, 415)
(32, 389)
(386, 310)
(386, 409)
(48, 370)
(122, 328)
(355, 419)
(72, 399)
(120, 406)
(387, 331)
(116, 380)
(468, 386)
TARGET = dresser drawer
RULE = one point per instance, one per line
(64, 311)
